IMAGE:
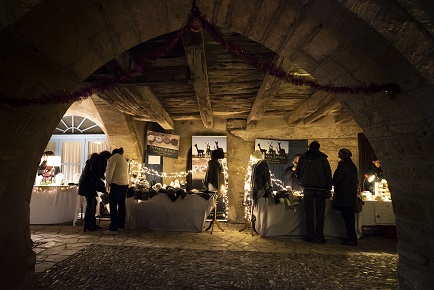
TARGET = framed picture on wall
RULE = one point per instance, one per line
(275, 151)
(162, 144)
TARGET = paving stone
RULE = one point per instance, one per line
(144, 259)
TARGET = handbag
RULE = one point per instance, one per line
(98, 184)
(359, 204)
(130, 192)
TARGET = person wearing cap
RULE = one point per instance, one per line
(315, 175)
(344, 199)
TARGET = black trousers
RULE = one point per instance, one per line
(350, 221)
(89, 214)
(117, 206)
(314, 206)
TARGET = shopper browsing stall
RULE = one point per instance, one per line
(315, 175)
(91, 181)
(345, 192)
(118, 179)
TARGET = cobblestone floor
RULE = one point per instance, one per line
(67, 258)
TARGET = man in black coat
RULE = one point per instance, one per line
(315, 175)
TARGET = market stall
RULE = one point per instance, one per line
(377, 213)
(53, 204)
(377, 209)
(186, 213)
(282, 220)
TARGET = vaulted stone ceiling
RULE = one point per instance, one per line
(200, 79)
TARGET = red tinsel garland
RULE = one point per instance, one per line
(196, 23)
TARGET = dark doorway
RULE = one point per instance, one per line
(366, 154)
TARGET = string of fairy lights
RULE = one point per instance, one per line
(248, 202)
(137, 169)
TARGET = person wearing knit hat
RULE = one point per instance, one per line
(345, 183)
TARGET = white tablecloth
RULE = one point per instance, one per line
(160, 213)
(377, 213)
(53, 204)
(279, 220)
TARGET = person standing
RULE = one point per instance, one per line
(91, 181)
(214, 176)
(373, 174)
(345, 192)
(118, 179)
(289, 178)
(315, 175)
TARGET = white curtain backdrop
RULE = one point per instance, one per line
(73, 155)
(98, 147)
(71, 160)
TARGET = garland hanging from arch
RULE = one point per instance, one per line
(196, 22)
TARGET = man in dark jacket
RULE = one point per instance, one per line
(315, 175)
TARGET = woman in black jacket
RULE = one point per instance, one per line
(91, 181)
(345, 192)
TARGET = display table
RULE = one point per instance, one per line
(375, 213)
(280, 220)
(160, 213)
(52, 204)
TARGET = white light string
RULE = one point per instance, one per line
(141, 170)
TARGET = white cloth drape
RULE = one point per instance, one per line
(160, 213)
(52, 204)
(279, 220)
(71, 159)
(98, 147)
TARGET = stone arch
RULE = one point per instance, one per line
(360, 43)
(118, 127)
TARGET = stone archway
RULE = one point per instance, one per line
(118, 127)
(342, 43)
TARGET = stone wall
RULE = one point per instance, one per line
(241, 144)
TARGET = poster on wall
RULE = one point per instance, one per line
(202, 146)
(275, 151)
(162, 144)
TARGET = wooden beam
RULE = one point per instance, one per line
(309, 106)
(269, 88)
(140, 102)
(236, 124)
(323, 111)
(342, 117)
(195, 52)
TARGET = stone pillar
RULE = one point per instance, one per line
(399, 130)
(25, 132)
